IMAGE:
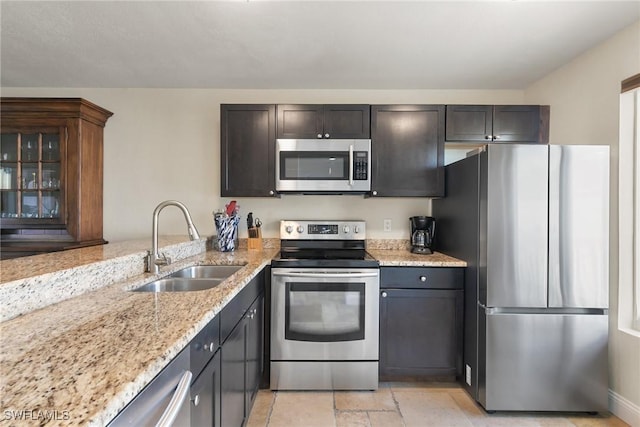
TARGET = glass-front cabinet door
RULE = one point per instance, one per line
(32, 175)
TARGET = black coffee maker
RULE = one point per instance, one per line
(423, 230)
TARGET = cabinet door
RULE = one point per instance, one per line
(300, 121)
(247, 150)
(469, 123)
(205, 395)
(33, 177)
(407, 150)
(347, 121)
(232, 395)
(255, 340)
(516, 123)
(420, 332)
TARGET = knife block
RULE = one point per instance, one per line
(254, 242)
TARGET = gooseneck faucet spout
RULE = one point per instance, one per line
(154, 258)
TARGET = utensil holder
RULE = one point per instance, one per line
(227, 228)
(254, 242)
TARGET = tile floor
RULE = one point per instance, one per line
(398, 405)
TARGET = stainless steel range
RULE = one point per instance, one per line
(324, 308)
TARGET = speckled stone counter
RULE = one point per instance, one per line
(80, 361)
(34, 282)
(404, 258)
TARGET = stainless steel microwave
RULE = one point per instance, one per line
(323, 165)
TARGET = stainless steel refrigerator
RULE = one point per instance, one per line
(532, 222)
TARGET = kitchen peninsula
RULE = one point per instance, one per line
(82, 360)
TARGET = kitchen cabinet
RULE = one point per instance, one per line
(52, 174)
(205, 395)
(247, 150)
(242, 353)
(421, 314)
(323, 121)
(407, 145)
(205, 367)
(497, 123)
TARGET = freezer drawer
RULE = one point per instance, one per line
(543, 362)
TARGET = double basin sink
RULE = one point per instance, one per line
(195, 278)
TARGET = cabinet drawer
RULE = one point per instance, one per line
(422, 277)
(232, 313)
(204, 345)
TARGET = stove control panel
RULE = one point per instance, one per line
(322, 230)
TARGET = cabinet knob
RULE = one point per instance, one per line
(488, 137)
(384, 295)
(319, 135)
(326, 135)
(374, 193)
(496, 136)
(271, 192)
(196, 400)
(423, 278)
(209, 347)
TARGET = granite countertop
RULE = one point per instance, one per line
(78, 359)
(404, 258)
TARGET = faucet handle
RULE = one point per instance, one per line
(163, 260)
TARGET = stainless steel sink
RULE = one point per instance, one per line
(175, 284)
(207, 271)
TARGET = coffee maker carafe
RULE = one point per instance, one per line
(423, 229)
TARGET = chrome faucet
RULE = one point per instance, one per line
(154, 258)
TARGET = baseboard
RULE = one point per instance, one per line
(624, 409)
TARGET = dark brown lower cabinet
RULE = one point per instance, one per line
(205, 395)
(241, 366)
(420, 327)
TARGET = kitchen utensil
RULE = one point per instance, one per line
(231, 207)
(250, 220)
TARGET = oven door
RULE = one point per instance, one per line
(327, 314)
(310, 165)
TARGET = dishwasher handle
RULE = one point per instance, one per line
(324, 275)
(177, 400)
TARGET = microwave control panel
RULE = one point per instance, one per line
(360, 166)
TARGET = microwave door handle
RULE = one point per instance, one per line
(323, 275)
(351, 165)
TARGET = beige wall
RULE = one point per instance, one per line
(164, 144)
(584, 96)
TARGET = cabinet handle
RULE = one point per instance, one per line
(326, 135)
(209, 347)
(384, 295)
(319, 135)
(496, 137)
(488, 137)
(196, 400)
(375, 193)
(271, 192)
(423, 278)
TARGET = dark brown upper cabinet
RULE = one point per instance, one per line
(407, 145)
(247, 150)
(52, 175)
(323, 121)
(497, 123)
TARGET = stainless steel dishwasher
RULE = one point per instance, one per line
(165, 401)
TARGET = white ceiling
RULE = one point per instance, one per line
(299, 44)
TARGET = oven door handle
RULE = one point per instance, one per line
(323, 275)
